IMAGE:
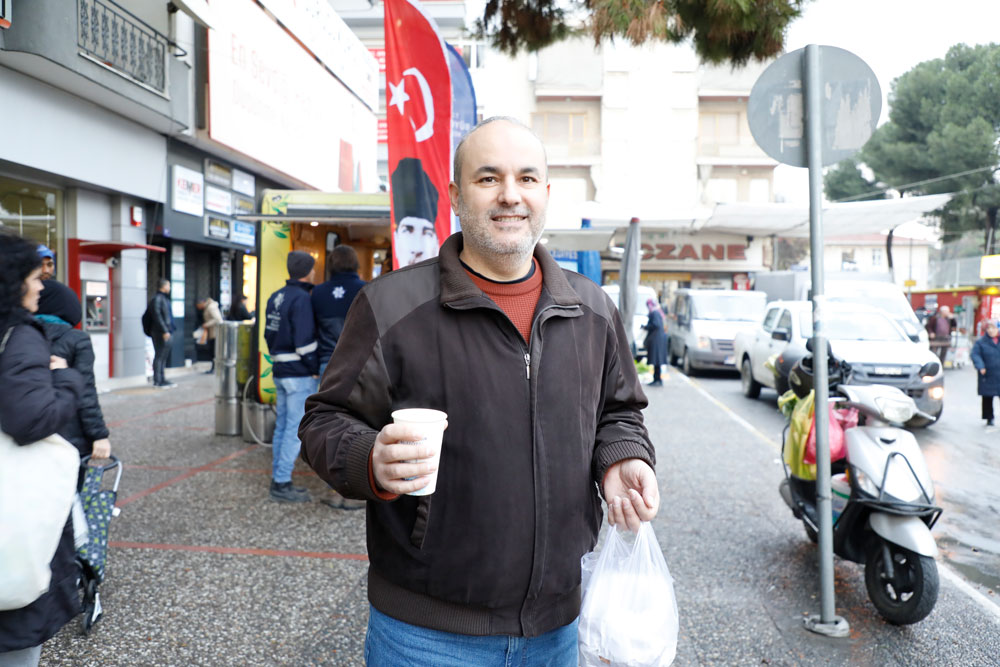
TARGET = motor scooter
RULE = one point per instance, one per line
(887, 519)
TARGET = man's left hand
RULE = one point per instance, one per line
(632, 493)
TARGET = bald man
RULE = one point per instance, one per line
(532, 366)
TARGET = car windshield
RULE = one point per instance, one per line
(739, 307)
(853, 326)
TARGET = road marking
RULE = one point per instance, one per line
(988, 605)
(180, 478)
(729, 411)
(159, 412)
(242, 551)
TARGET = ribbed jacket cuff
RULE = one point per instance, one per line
(614, 452)
(359, 451)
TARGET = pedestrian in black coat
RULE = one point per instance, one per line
(986, 358)
(59, 312)
(38, 395)
(656, 341)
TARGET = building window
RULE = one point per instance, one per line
(847, 262)
(719, 129)
(566, 129)
(876, 257)
(473, 53)
(34, 212)
(723, 190)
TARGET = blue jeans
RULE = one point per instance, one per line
(291, 406)
(392, 643)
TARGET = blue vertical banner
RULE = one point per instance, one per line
(589, 260)
(463, 106)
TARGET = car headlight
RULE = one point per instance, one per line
(704, 343)
(898, 410)
(937, 393)
(864, 482)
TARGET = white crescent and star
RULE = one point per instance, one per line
(398, 98)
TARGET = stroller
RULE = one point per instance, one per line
(98, 509)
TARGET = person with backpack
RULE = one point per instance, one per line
(158, 324)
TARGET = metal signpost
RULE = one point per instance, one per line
(813, 107)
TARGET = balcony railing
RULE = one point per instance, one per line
(115, 38)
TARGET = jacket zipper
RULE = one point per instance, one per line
(527, 366)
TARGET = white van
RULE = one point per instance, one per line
(704, 322)
(640, 314)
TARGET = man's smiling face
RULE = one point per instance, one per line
(503, 191)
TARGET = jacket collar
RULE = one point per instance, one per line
(456, 284)
(299, 283)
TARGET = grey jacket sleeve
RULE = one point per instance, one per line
(343, 419)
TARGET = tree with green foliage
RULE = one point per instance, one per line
(942, 134)
(847, 183)
(731, 31)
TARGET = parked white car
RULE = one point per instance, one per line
(873, 343)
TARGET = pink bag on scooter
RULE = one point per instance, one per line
(839, 420)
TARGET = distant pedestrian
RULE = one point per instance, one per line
(939, 327)
(656, 341)
(59, 312)
(239, 312)
(332, 299)
(211, 318)
(290, 333)
(986, 359)
(48, 261)
(544, 408)
(162, 333)
(38, 396)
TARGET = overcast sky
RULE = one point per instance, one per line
(892, 36)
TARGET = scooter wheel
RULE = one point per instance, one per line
(910, 594)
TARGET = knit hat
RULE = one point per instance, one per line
(59, 300)
(299, 264)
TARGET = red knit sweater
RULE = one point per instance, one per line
(517, 300)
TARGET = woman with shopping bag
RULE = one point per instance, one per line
(38, 395)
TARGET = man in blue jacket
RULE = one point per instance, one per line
(332, 299)
(290, 333)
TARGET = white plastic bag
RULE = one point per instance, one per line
(629, 614)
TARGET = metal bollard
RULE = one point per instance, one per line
(227, 390)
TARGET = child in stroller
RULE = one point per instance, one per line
(98, 505)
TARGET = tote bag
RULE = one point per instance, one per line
(37, 487)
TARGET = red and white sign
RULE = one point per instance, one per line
(187, 191)
(418, 114)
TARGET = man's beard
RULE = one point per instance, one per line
(476, 233)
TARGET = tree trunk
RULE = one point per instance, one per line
(991, 229)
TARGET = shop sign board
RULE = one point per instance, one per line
(216, 227)
(187, 191)
(218, 200)
(271, 100)
(242, 205)
(218, 173)
(244, 233)
(5, 13)
(244, 183)
(322, 31)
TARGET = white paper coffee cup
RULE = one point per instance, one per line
(431, 424)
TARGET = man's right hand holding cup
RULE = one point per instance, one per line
(402, 459)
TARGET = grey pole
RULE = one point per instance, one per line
(828, 623)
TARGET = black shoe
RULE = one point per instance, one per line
(655, 383)
(167, 385)
(209, 371)
(286, 493)
(989, 422)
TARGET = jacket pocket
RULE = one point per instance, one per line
(419, 531)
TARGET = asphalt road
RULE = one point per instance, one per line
(964, 460)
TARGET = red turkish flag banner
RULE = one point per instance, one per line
(418, 114)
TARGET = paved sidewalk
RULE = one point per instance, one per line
(205, 570)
